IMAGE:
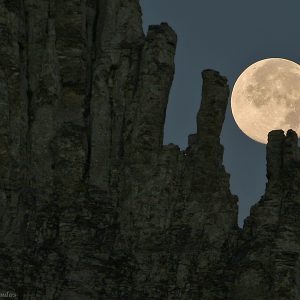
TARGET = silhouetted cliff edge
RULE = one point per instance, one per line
(92, 204)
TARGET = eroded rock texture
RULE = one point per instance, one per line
(92, 204)
(267, 262)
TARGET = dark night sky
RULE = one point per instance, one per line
(227, 36)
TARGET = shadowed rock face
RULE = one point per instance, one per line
(267, 265)
(92, 204)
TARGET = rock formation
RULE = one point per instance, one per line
(92, 204)
(267, 260)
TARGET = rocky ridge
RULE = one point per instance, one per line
(92, 204)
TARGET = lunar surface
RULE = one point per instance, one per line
(266, 96)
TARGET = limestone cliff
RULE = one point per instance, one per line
(92, 204)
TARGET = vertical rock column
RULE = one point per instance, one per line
(286, 248)
(268, 265)
(211, 115)
(204, 224)
(14, 145)
(144, 214)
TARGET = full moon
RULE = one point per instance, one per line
(266, 96)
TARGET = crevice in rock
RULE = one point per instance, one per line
(94, 51)
(24, 65)
(138, 70)
(112, 120)
(91, 59)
